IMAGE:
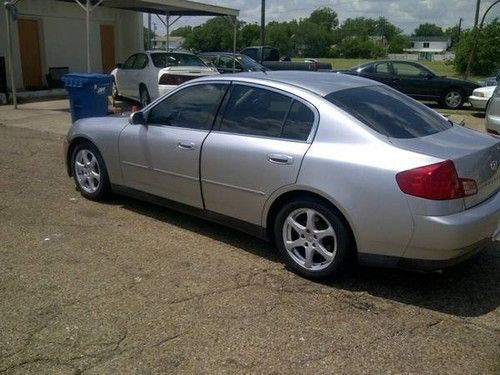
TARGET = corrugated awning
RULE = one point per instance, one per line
(173, 7)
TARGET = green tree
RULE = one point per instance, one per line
(428, 29)
(386, 29)
(145, 34)
(325, 17)
(183, 31)
(250, 34)
(398, 44)
(487, 57)
(214, 35)
(454, 33)
(360, 48)
(359, 27)
(282, 35)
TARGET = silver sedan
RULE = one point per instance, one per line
(328, 166)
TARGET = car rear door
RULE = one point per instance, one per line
(256, 147)
(137, 75)
(163, 156)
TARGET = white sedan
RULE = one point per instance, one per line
(147, 75)
(480, 97)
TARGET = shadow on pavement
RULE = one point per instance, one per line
(467, 290)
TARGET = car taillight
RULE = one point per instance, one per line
(436, 181)
(173, 79)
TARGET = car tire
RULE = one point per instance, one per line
(114, 90)
(144, 97)
(453, 98)
(313, 239)
(89, 172)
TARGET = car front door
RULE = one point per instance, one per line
(256, 147)
(162, 157)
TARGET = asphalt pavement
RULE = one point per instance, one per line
(128, 287)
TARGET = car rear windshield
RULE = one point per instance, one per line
(389, 112)
(164, 60)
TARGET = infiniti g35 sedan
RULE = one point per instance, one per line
(327, 166)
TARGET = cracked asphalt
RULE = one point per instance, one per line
(128, 287)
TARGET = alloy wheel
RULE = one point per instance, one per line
(453, 99)
(87, 171)
(309, 239)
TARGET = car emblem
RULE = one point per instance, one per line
(494, 165)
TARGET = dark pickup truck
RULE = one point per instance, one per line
(269, 57)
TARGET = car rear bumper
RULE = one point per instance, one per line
(442, 241)
(478, 102)
(445, 238)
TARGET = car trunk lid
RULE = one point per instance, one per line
(475, 156)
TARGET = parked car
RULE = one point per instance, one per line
(224, 62)
(493, 113)
(146, 75)
(328, 166)
(417, 81)
(492, 80)
(480, 97)
(270, 58)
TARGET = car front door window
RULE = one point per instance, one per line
(193, 107)
(408, 70)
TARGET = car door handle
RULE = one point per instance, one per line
(186, 145)
(280, 159)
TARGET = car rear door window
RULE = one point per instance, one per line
(255, 111)
(382, 68)
(407, 70)
(193, 107)
(389, 112)
(141, 61)
(299, 122)
(129, 63)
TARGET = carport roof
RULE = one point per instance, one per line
(173, 7)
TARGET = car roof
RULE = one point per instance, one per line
(320, 83)
(165, 51)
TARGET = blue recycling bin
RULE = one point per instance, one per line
(88, 94)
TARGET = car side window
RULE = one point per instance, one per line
(299, 122)
(251, 52)
(408, 70)
(382, 68)
(141, 61)
(255, 111)
(226, 62)
(193, 107)
(129, 63)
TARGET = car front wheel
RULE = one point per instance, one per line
(313, 239)
(144, 96)
(453, 99)
(89, 172)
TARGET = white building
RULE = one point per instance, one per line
(52, 33)
(174, 42)
(428, 47)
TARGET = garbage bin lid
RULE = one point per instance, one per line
(82, 79)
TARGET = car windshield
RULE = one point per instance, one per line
(389, 112)
(250, 63)
(164, 60)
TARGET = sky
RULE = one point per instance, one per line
(406, 14)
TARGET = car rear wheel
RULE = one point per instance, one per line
(114, 90)
(313, 239)
(89, 172)
(144, 96)
(453, 98)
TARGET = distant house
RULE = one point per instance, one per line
(428, 47)
(160, 42)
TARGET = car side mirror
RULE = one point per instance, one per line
(137, 118)
(118, 66)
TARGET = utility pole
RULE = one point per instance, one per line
(476, 19)
(149, 32)
(459, 28)
(263, 23)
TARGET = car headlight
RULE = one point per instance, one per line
(477, 93)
